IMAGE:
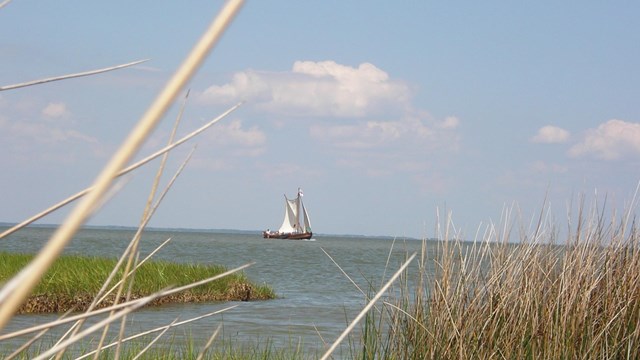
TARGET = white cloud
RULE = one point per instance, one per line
(379, 133)
(409, 131)
(26, 127)
(363, 135)
(44, 134)
(244, 142)
(314, 89)
(234, 133)
(551, 135)
(451, 122)
(55, 110)
(609, 141)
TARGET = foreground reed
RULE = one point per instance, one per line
(530, 299)
(17, 289)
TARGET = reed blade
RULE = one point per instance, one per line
(69, 76)
(19, 287)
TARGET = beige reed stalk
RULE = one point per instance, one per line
(19, 287)
(133, 255)
(133, 305)
(149, 212)
(70, 76)
(63, 345)
(122, 305)
(123, 172)
(96, 300)
(133, 337)
(366, 309)
(149, 345)
(209, 343)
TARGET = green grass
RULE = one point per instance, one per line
(190, 350)
(73, 278)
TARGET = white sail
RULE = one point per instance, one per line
(290, 216)
(305, 216)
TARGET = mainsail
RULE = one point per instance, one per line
(290, 221)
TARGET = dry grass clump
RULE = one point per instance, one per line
(531, 299)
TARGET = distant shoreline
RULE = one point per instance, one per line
(212, 231)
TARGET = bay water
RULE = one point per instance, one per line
(316, 298)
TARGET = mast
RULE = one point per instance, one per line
(298, 201)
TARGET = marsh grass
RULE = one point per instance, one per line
(174, 348)
(531, 299)
(73, 280)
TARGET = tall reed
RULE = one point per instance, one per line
(532, 298)
(17, 289)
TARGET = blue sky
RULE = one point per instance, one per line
(383, 113)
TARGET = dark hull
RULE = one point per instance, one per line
(287, 236)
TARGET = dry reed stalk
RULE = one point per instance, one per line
(209, 343)
(18, 288)
(148, 214)
(366, 309)
(531, 299)
(149, 345)
(343, 272)
(69, 76)
(108, 281)
(99, 325)
(63, 321)
(123, 172)
(161, 328)
(132, 306)
(130, 249)
(26, 345)
(132, 261)
(145, 215)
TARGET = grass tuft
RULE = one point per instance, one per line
(73, 280)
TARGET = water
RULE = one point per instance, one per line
(315, 299)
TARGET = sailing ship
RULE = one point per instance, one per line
(296, 224)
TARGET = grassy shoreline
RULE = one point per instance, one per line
(73, 280)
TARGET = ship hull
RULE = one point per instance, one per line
(287, 236)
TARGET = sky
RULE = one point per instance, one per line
(388, 115)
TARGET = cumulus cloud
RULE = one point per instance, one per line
(609, 141)
(450, 122)
(323, 88)
(377, 131)
(26, 127)
(247, 142)
(365, 135)
(55, 110)
(551, 135)
(408, 131)
(44, 134)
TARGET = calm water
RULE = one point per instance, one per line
(315, 302)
